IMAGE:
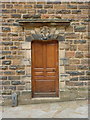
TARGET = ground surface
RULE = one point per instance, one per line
(73, 109)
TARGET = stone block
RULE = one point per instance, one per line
(64, 77)
(6, 29)
(28, 6)
(79, 55)
(73, 47)
(5, 11)
(13, 77)
(74, 61)
(29, 38)
(88, 72)
(3, 77)
(82, 67)
(61, 54)
(16, 28)
(9, 73)
(38, 6)
(20, 72)
(70, 67)
(26, 45)
(5, 82)
(75, 73)
(3, 67)
(64, 61)
(27, 86)
(84, 78)
(80, 28)
(16, 15)
(79, 41)
(9, 5)
(63, 11)
(43, 11)
(76, 11)
(70, 54)
(13, 67)
(72, 6)
(83, 6)
(48, 6)
(2, 57)
(17, 82)
(28, 70)
(83, 47)
(61, 69)
(6, 62)
(74, 79)
(7, 43)
(62, 86)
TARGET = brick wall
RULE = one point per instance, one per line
(15, 69)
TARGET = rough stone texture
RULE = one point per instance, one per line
(72, 45)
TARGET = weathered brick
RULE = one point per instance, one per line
(74, 61)
(10, 87)
(82, 67)
(79, 55)
(79, 41)
(9, 56)
(88, 72)
(3, 77)
(6, 29)
(83, 6)
(2, 57)
(20, 72)
(48, 6)
(76, 11)
(72, 36)
(5, 11)
(3, 67)
(6, 62)
(70, 54)
(84, 78)
(74, 79)
(80, 28)
(83, 47)
(73, 47)
(17, 82)
(74, 83)
(42, 11)
(20, 87)
(9, 73)
(38, 6)
(7, 43)
(5, 82)
(16, 15)
(9, 5)
(74, 73)
(84, 61)
(13, 77)
(14, 48)
(70, 67)
(72, 6)
(63, 12)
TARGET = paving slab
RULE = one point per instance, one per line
(71, 109)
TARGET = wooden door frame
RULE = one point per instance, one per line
(57, 90)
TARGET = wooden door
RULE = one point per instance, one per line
(45, 69)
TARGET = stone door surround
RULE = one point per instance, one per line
(48, 30)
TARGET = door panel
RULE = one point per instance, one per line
(45, 69)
